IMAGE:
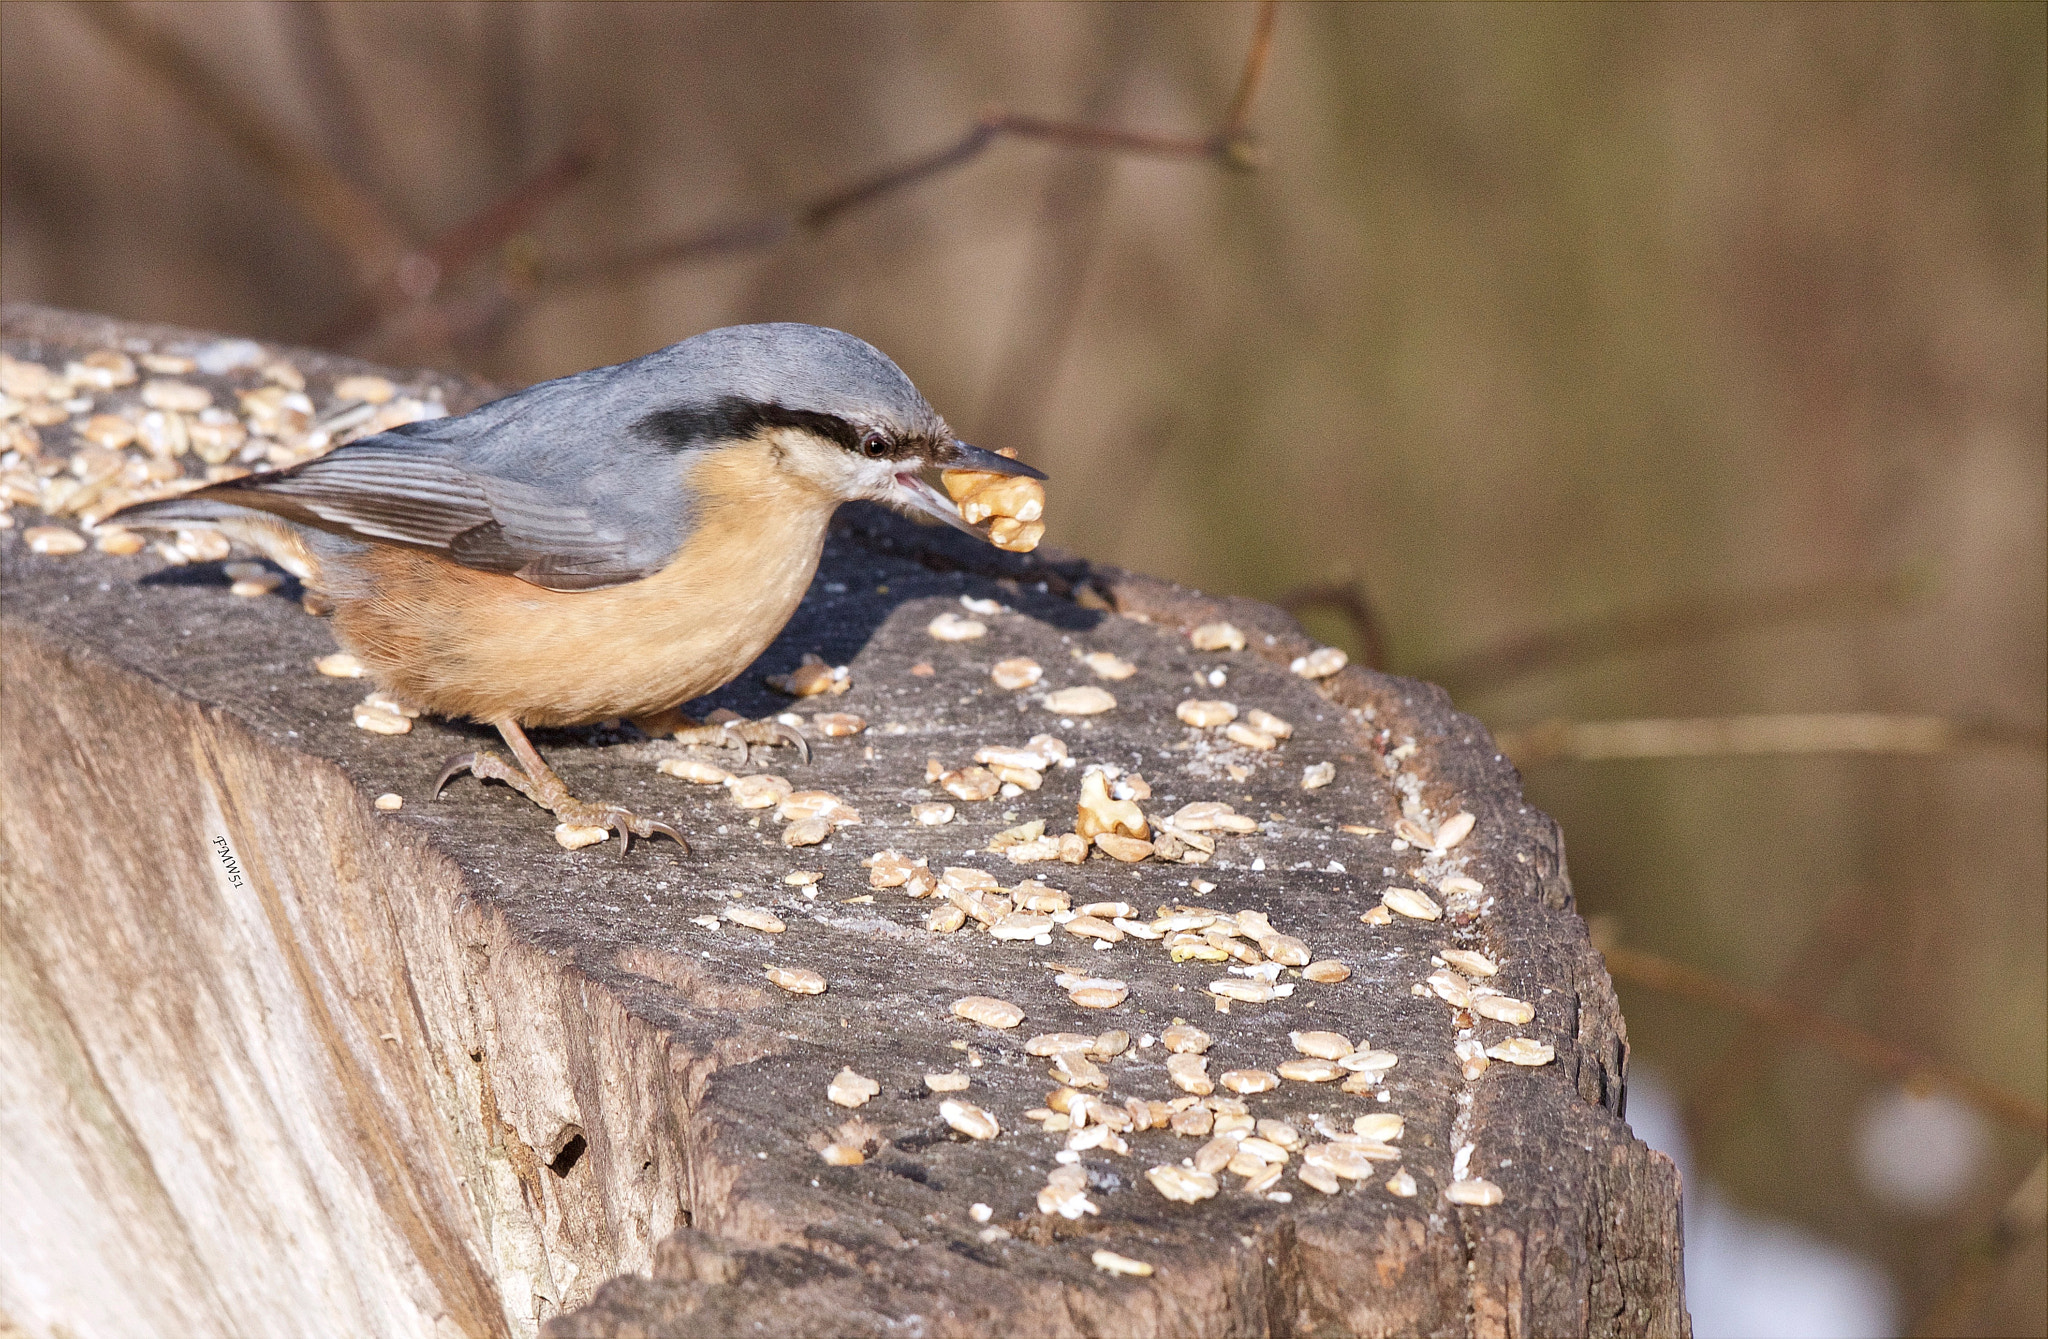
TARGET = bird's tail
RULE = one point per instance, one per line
(276, 539)
(182, 512)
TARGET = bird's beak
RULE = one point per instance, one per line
(965, 457)
(914, 494)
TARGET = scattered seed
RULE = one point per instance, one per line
(848, 1089)
(842, 1155)
(1451, 988)
(1020, 925)
(1184, 1185)
(1412, 832)
(951, 627)
(1503, 1009)
(1111, 1262)
(1190, 1073)
(1285, 950)
(932, 815)
(1103, 665)
(988, 1012)
(1249, 1080)
(379, 721)
(1015, 673)
(951, 1082)
(1476, 1191)
(368, 389)
(945, 919)
(755, 918)
(1471, 1056)
(181, 396)
(1378, 916)
(1523, 1051)
(54, 540)
(1328, 971)
(1317, 775)
(1237, 988)
(1315, 1175)
(1244, 736)
(1369, 1061)
(1082, 700)
(1310, 1070)
(969, 1119)
(1184, 1039)
(1204, 715)
(1322, 1045)
(1127, 849)
(113, 539)
(1098, 993)
(572, 837)
(1470, 963)
(1031, 895)
(1320, 663)
(1402, 1184)
(797, 980)
(1091, 927)
(1217, 637)
(698, 773)
(970, 783)
(838, 724)
(758, 792)
(1411, 902)
(1453, 830)
(1212, 815)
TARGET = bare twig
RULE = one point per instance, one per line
(352, 220)
(1721, 736)
(1681, 623)
(1228, 145)
(1348, 600)
(1673, 978)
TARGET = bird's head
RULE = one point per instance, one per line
(833, 410)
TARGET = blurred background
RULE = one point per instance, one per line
(1667, 382)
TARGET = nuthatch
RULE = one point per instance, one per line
(610, 544)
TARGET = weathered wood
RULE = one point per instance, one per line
(427, 1073)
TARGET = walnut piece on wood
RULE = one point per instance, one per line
(274, 1053)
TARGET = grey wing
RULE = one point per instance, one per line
(392, 490)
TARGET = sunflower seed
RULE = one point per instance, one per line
(950, 627)
(1503, 1009)
(758, 792)
(53, 539)
(1320, 663)
(1183, 1039)
(1452, 831)
(1183, 1185)
(969, 1119)
(1322, 1045)
(1470, 963)
(797, 980)
(1020, 925)
(1380, 1127)
(1015, 673)
(1476, 1191)
(1103, 665)
(1212, 816)
(1083, 700)
(755, 918)
(1328, 971)
(1369, 1061)
(570, 836)
(1090, 927)
(1248, 992)
(1310, 1070)
(379, 721)
(1523, 1051)
(988, 1012)
(1204, 715)
(848, 1089)
(1411, 902)
(1098, 993)
(1285, 950)
(1217, 637)
(698, 773)
(951, 1082)
(1127, 849)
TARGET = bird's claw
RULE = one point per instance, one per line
(460, 763)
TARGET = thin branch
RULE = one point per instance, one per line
(1228, 145)
(1730, 736)
(1853, 1043)
(1345, 598)
(352, 220)
(1680, 623)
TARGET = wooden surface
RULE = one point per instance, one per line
(428, 1073)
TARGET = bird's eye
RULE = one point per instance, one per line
(874, 445)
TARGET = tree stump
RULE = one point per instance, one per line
(275, 1061)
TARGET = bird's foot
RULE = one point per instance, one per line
(550, 794)
(736, 734)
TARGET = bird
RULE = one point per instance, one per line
(608, 544)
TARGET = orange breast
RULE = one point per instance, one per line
(458, 642)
